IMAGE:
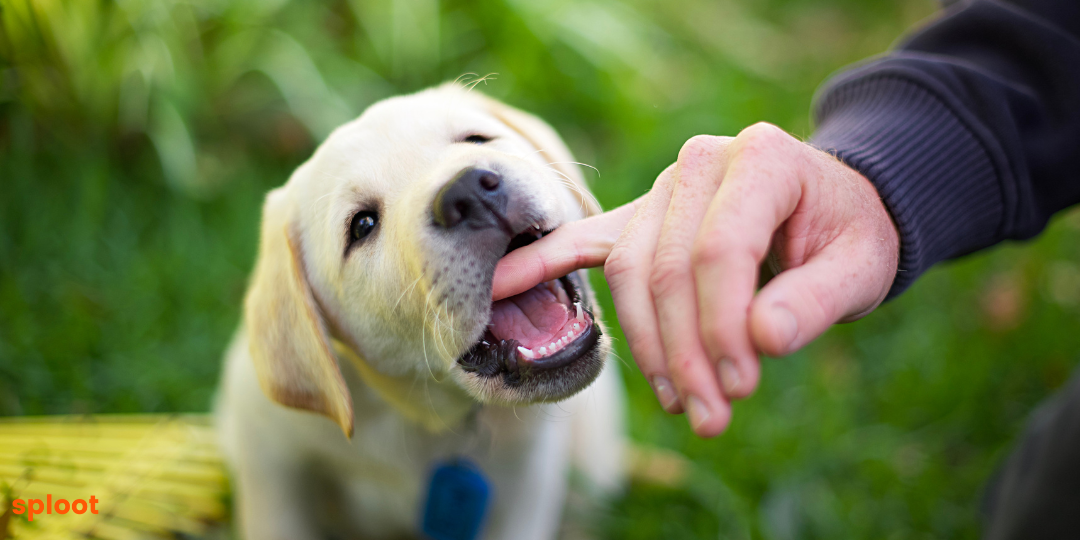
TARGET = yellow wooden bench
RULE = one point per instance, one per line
(155, 476)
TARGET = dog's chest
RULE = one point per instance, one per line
(384, 475)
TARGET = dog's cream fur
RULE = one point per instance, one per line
(364, 341)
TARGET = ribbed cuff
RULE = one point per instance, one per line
(934, 176)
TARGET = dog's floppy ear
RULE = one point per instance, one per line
(549, 144)
(288, 338)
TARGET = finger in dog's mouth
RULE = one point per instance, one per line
(544, 328)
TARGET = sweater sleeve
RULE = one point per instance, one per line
(970, 129)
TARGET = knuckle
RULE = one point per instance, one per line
(580, 258)
(707, 252)
(681, 362)
(763, 131)
(667, 276)
(712, 337)
(724, 247)
(761, 137)
(666, 179)
(618, 264)
(698, 147)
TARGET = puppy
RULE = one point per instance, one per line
(371, 356)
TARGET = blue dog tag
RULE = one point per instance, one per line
(456, 502)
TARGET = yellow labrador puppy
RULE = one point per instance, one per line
(374, 390)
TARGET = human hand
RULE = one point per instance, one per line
(682, 262)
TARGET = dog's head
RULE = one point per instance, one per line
(387, 240)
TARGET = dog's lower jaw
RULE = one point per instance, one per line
(544, 387)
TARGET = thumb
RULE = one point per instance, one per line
(579, 244)
(800, 303)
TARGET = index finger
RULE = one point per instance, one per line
(579, 244)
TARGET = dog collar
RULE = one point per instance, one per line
(435, 407)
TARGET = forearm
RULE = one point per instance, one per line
(966, 131)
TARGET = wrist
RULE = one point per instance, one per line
(935, 177)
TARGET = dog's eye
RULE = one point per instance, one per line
(362, 225)
(476, 139)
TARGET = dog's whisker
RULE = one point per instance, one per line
(620, 359)
(471, 85)
(311, 208)
(440, 343)
(406, 291)
(436, 332)
(431, 404)
(576, 163)
(458, 80)
(572, 163)
(423, 338)
(438, 328)
(569, 184)
(565, 180)
(435, 411)
(550, 415)
(584, 193)
(453, 329)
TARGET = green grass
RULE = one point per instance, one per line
(137, 139)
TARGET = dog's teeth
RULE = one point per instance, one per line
(553, 345)
(577, 327)
(554, 287)
(527, 353)
(543, 351)
(580, 317)
(569, 335)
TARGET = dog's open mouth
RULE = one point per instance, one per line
(543, 328)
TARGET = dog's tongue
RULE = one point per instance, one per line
(535, 317)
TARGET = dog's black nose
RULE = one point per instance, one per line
(474, 197)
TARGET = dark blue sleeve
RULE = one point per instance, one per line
(970, 129)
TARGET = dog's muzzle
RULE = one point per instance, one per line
(542, 329)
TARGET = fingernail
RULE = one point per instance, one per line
(698, 412)
(664, 392)
(729, 376)
(787, 328)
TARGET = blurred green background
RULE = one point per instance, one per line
(137, 138)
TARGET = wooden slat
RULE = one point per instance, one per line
(155, 475)
(198, 472)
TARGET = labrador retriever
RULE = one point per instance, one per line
(371, 357)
